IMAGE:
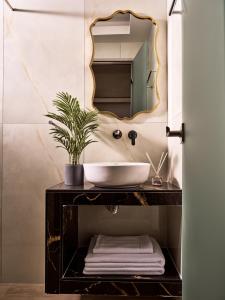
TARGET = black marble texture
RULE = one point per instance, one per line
(65, 260)
(122, 288)
(144, 195)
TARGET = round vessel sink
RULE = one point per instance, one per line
(113, 174)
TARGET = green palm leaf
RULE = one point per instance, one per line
(73, 127)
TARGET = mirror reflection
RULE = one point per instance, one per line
(124, 64)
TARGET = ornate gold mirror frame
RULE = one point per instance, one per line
(155, 52)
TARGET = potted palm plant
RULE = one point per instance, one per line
(72, 131)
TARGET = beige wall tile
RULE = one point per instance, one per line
(23, 262)
(65, 7)
(155, 9)
(31, 164)
(174, 66)
(175, 149)
(151, 138)
(44, 54)
(97, 8)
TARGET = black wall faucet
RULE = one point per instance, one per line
(117, 134)
(132, 136)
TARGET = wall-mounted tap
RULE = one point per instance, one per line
(132, 136)
(117, 134)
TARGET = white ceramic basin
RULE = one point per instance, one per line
(115, 174)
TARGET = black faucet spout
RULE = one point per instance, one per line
(132, 135)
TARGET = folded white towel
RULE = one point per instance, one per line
(124, 269)
(123, 244)
(123, 265)
(125, 272)
(156, 257)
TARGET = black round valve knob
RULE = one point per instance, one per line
(117, 134)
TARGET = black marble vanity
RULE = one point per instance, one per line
(65, 258)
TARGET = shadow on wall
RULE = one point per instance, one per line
(171, 176)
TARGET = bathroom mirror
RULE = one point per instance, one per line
(125, 64)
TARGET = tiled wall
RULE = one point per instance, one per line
(45, 53)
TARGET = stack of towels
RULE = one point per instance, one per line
(124, 255)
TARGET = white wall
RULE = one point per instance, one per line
(43, 54)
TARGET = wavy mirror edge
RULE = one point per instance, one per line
(141, 17)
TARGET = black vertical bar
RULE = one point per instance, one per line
(172, 7)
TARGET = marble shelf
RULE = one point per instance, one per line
(144, 195)
(63, 269)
